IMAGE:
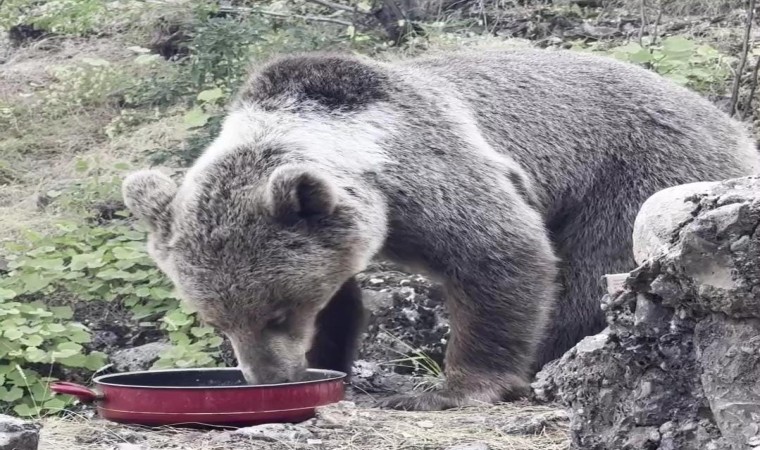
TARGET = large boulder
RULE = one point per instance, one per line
(16, 434)
(679, 365)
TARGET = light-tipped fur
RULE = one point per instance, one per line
(512, 177)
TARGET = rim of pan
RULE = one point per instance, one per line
(329, 375)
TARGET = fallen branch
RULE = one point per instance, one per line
(337, 6)
(643, 22)
(657, 22)
(753, 86)
(743, 60)
(242, 10)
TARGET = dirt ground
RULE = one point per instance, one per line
(502, 427)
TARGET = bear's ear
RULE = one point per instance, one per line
(296, 192)
(147, 194)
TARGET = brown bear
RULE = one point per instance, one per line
(511, 177)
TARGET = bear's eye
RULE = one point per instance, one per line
(278, 320)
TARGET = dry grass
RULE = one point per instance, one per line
(38, 172)
(684, 7)
(501, 427)
(41, 151)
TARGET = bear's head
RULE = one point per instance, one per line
(257, 248)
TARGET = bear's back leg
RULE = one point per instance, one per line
(592, 237)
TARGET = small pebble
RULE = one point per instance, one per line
(425, 424)
(471, 446)
(276, 432)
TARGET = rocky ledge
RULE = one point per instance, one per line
(678, 367)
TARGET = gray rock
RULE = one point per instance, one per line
(660, 216)
(678, 366)
(337, 415)
(16, 434)
(138, 358)
(532, 424)
(276, 432)
(377, 300)
(372, 378)
(728, 351)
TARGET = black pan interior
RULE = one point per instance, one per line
(193, 378)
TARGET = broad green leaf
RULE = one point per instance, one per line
(62, 312)
(86, 260)
(95, 361)
(34, 282)
(196, 118)
(210, 95)
(181, 341)
(81, 165)
(13, 334)
(126, 253)
(678, 78)
(641, 57)
(79, 336)
(162, 294)
(678, 47)
(11, 395)
(36, 355)
(47, 264)
(627, 49)
(201, 331)
(55, 404)
(32, 341)
(73, 346)
(25, 410)
(76, 360)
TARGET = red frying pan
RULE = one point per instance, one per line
(215, 397)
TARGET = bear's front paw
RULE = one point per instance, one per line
(428, 401)
(438, 400)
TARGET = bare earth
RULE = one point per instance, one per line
(503, 427)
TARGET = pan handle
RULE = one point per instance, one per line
(84, 394)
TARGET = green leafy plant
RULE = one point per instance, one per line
(683, 60)
(207, 106)
(68, 17)
(146, 81)
(38, 336)
(90, 263)
(83, 262)
(221, 50)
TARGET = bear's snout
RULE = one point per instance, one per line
(273, 375)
